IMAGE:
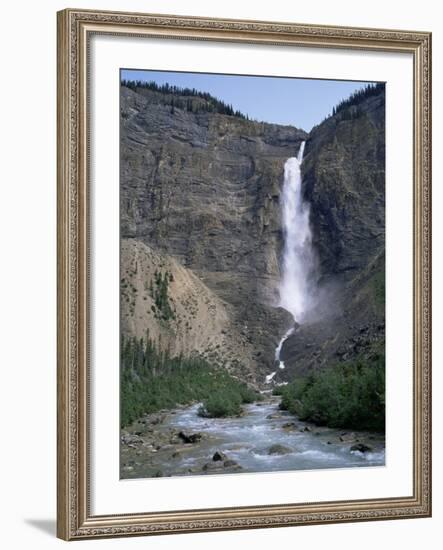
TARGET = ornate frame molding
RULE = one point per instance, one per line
(74, 30)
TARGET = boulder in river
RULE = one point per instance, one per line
(190, 438)
(279, 450)
(289, 426)
(218, 455)
(361, 447)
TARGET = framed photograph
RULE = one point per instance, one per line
(243, 274)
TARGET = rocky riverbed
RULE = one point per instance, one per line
(263, 439)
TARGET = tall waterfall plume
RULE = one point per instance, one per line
(297, 264)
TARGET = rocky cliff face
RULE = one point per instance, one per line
(200, 197)
(344, 182)
(204, 189)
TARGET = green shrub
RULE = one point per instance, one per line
(221, 404)
(346, 395)
(248, 395)
(160, 295)
(227, 401)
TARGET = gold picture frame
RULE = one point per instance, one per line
(75, 28)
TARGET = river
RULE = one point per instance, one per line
(264, 439)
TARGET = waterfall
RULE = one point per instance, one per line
(295, 291)
(297, 251)
(281, 364)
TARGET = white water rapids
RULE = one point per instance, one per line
(246, 440)
(295, 284)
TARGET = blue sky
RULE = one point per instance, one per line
(296, 101)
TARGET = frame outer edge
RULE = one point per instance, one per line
(429, 320)
(427, 254)
(63, 239)
(72, 514)
(422, 283)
